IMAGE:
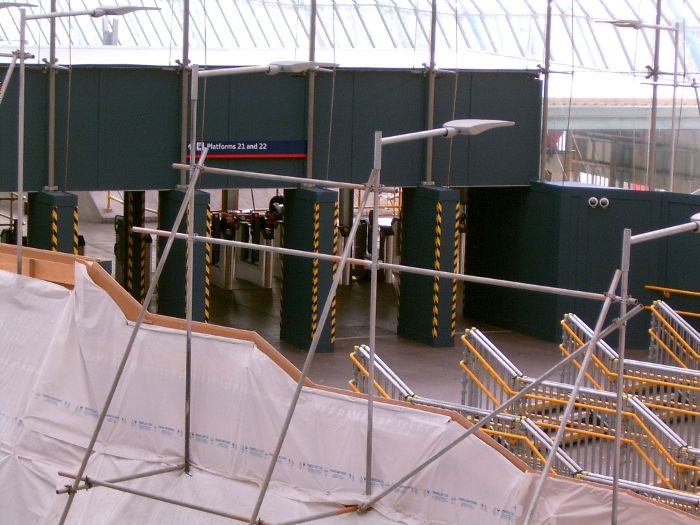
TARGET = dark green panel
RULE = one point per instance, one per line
(509, 156)
(493, 229)
(599, 245)
(393, 103)
(122, 126)
(551, 235)
(452, 101)
(35, 138)
(334, 118)
(139, 128)
(257, 108)
(679, 256)
(79, 92)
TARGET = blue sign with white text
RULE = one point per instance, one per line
(253, 149)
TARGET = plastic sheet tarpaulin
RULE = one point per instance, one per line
(60, 350)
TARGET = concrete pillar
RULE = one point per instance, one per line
(310, 219)
(430, 239)
(171, 286)
(53, 221)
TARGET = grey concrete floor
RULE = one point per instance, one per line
(430, 372)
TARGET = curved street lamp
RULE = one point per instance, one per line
(95, 13)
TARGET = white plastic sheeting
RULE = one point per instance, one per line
(58, 357)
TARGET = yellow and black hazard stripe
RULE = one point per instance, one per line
(207, 266)
(187, 249)
(142, 259)
(398, 288)
(76, 244)
(130, 242)
(314, 269)
(453, 324)
(336, 225)
(281, 259)
(54, 229)
(436, 266)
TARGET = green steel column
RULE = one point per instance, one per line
(309, 224)
(51, 220)
(430, 237)
(171, 287)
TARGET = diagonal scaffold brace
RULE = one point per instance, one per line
(127, 351)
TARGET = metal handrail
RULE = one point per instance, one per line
(670, 391)
(642, 422)
(533, 436)
(121, 201)
(668, 291)
(685, 339)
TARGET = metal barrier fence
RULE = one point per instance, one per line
(673, 340)
(521, 435)
(652, 452)
(671, 392)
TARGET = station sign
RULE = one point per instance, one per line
(253, 149)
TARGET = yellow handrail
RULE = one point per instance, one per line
(366, 374)
(527, 440)
(121, 201)
(613, 375)
(668, 291)
(683, 342)
(670, 352)
(627, 441)
(489, 368)
(479, 384)
(579, 342)
(588, 376)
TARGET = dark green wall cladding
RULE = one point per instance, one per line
(548, 234)
(123, 126)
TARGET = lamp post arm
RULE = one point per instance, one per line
(408, 137)
(227, 71)
(60, 14)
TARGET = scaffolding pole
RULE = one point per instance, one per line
(121, 479)
(572, 397)
(593, 296)
(273, 177)
(624, 287)
(172, 501)
(517, 397)
(311, 352)
(373, 307)
(130, 344)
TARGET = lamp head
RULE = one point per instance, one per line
(119, 10)
(634, 24)
(696, 219)
(291, 66)
(473, 126)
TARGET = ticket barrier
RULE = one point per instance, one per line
(248, 264)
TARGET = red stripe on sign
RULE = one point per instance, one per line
(256, 156)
